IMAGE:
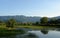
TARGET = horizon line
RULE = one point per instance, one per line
(29, 16)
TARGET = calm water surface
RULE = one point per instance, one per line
(43, 33)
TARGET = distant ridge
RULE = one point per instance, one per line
(21, 18)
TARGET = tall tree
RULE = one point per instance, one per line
(1, 21)
(52, 21)
(11, 22)
(44, 20)
(37, 23)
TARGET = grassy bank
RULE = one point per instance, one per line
(12, 31)
(33, 27)
(27, 26)
(8, 32)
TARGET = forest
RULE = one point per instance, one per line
(44, 21)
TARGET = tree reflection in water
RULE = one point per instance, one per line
(31, 35)
(28, 35)
(44, 31)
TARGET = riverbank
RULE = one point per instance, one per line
(34, 27)
(8, 32)
(5, 31)
(27, 26)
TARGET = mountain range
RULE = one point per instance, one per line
(22, 18)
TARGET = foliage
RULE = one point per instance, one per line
(6, 32)
(10, 23)
(44, 20)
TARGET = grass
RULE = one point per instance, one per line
(33, 27)
(4, 31)
(11, 31)
(8, 32)
(26, 26)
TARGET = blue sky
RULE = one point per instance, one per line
(49, 8)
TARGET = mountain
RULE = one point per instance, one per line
(58, 17)
(20, 18)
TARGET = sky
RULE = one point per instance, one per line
(49, 8)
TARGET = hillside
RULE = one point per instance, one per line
(20, 18)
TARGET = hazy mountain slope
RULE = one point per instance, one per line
(20, 18)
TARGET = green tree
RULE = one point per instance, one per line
(10, 23)
(1, 21)
(58, 21)
(37, 23)
(44, 20)
(52, 21)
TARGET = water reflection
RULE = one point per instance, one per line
(44, 31)
(30, 35)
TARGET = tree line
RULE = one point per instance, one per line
(43, 21)
(49, 21)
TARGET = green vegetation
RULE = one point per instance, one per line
(10, 23)
(44, 20)
(9, 32)
(9, 27)
(50, 22)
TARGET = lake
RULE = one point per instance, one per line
(42, 33)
